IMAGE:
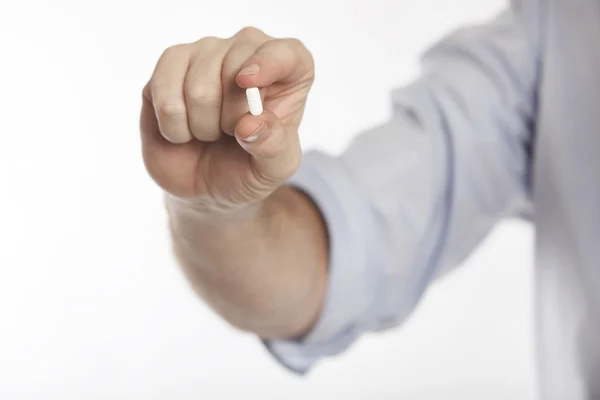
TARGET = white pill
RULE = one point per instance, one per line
(254, 101)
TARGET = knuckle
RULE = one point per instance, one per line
(292, 46)
(294, 43)
(205, 95)
(249, 31)
(239, 52)
(170, 109)
(176, 50)
(209, 42)
(289, 50)
(299, 50)
(240, 48)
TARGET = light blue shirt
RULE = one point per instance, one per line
(503, 122)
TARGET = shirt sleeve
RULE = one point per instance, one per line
(409, 200)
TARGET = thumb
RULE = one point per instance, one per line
(275, 148)
(279, 60)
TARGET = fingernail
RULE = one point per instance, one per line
(251, 69)
(255, 134)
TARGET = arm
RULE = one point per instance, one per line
(254, 250)
(408, 201)
(262, 268)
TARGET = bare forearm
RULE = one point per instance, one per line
(262, 268)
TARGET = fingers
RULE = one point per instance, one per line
(159, 153)
(186, 90)
(275, 150)
(203, 89)
(281, 60)
(234, 97)
(166, 93)
(198, 91)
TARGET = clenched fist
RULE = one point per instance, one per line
(199, 140)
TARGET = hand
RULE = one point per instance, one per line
(199, 140)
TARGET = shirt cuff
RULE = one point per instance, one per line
(350, 286)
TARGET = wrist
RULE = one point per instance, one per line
(207, 209)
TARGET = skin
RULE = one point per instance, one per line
(253, 248)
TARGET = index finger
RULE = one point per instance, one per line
(279, 60)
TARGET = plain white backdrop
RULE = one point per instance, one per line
(92, 305)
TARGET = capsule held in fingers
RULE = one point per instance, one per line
(254, 101)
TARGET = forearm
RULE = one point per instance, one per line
(263, 268)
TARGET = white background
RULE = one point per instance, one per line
(92, 305)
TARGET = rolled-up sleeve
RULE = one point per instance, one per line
(410, 199)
